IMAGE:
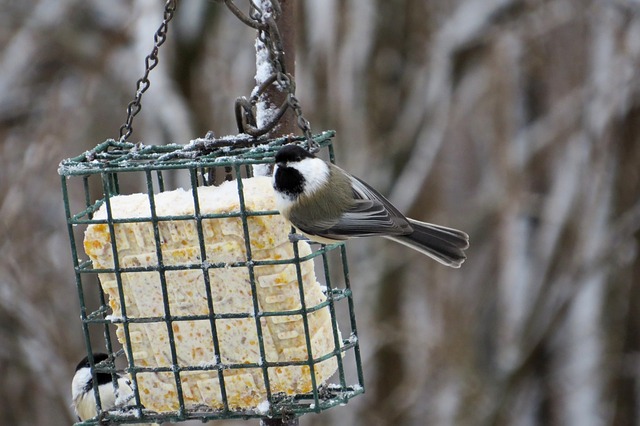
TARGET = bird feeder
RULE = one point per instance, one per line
(185, 274)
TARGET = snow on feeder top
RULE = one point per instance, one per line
(186, 274)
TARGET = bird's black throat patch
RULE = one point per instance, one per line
(103, 379)
(288, 181)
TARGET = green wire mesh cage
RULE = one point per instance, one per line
(146, 308)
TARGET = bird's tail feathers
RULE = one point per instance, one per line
(446, 245)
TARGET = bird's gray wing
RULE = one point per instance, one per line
(363, 191)
(370, 215)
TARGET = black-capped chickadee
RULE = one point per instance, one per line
(327, 204)
(84, 401)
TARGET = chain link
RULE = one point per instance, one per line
(150, 62)
(268, 33)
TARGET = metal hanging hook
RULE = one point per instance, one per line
(269, 35)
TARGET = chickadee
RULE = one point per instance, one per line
(327, 204)
(84, 401)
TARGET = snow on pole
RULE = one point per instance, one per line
(274, 95)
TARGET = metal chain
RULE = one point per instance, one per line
(150, 62)
(265, 22)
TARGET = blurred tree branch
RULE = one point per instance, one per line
(516, 120)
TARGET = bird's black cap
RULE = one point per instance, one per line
(292, 154)
(97, 357)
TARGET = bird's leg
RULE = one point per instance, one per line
(102, 418)
(294, 238)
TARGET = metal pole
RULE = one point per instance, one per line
(287, 125)
(279, 422)
(287, 28)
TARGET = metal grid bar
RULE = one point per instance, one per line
(107, 191)
(207, 284)
(341, 294)
(352, 313)
(81, 295)
(113, 156)
(352, 316)
(165, 293)
(84, 266)
(305, 323)
(254, 289)
(334, 320)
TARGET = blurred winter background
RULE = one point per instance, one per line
(515, 120)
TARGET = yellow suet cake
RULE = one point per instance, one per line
(276, 286)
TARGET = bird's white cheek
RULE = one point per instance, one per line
(315, 172)
(80, 380)
(85, 406)
(85, 403)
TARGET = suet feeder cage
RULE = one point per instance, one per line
(215, 312)
(187, 275)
